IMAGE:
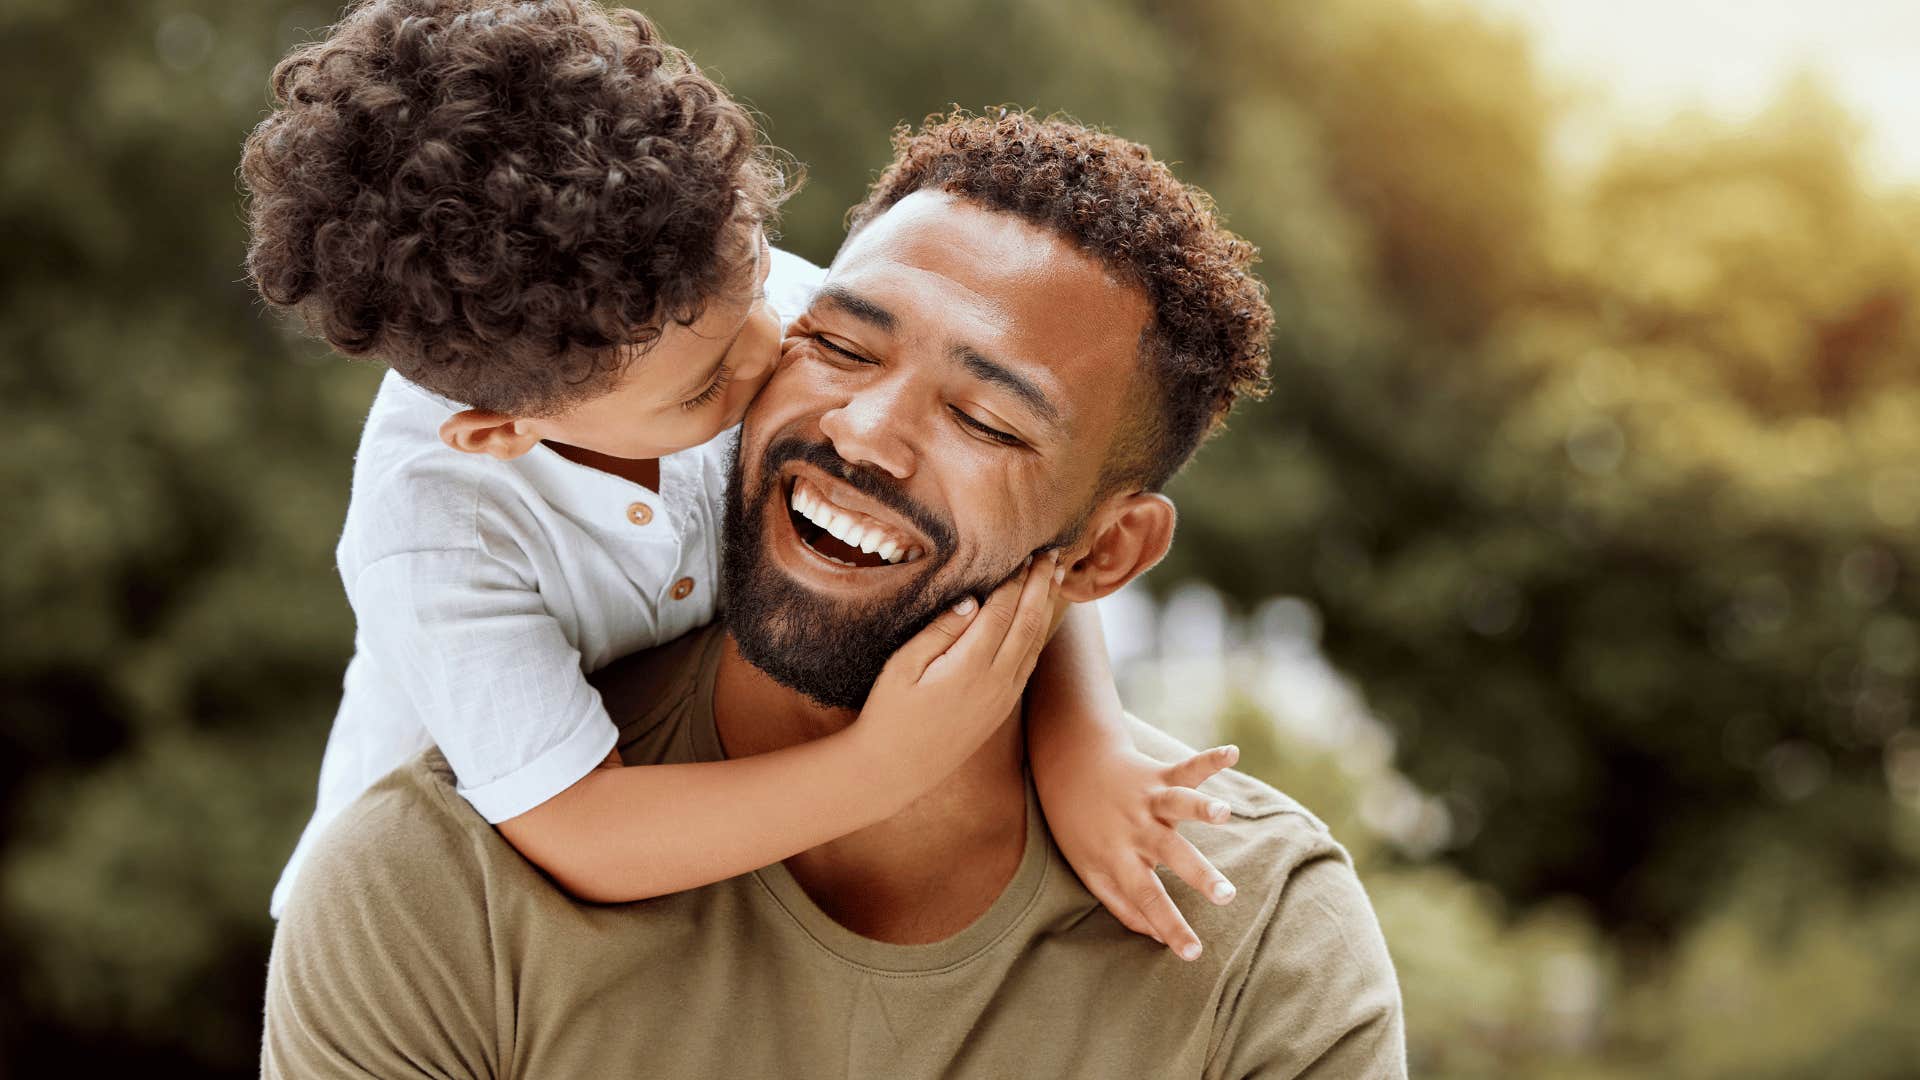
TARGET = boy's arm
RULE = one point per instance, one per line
(1111, 808)
(622, 834)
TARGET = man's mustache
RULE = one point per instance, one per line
(867, 480)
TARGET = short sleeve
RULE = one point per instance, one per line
(1320, 1001)
(489, 670)
(381, 962)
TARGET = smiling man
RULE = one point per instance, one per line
(1031, 327)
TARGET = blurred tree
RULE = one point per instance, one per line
(174, 488)
(1498, 390)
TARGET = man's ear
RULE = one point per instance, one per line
(477, 431)
(1124, 540)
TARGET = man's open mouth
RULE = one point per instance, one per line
(845, 536)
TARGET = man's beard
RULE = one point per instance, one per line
(827, 649)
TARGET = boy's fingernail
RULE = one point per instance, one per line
(1223, 891)
(1230, 750)
(1217, 810)
(1191, 952)
(1059, 572)
(964, 607)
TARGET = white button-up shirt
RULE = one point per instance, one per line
(485, 591)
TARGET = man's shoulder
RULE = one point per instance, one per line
(408, 853)
(384, 952)
(1283, 859)
(1315, 985)
(409, 829)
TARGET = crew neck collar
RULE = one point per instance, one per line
(1015, 901)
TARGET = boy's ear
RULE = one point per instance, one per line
(477, 431)
(1124, 540)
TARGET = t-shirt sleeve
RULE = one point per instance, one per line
(381, 962)
(1320, 1001)
(490, 672)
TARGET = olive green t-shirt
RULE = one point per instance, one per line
(417, 943)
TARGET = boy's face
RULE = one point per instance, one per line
(691, 384)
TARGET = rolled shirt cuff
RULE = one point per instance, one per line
(548, 775)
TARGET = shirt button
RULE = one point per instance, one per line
(683, 588)
(639, 513)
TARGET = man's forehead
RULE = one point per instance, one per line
(961, 268)
(956, 232)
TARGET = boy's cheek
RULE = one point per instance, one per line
(741, 398)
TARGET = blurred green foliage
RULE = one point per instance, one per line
(1606, 486)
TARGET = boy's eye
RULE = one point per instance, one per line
(721, 377)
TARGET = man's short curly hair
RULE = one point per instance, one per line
(498, 198)
(1206, 345)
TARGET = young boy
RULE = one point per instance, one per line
(552, 227)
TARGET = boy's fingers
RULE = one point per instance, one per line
(1168, 924)
(935, 638)
(1027, 632)
(1186, 804)
(980, 640)
(1117, 904)
(1178, 854)
(1191, 772)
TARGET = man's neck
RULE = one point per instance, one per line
(923, 874)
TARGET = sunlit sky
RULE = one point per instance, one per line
(1651, 58)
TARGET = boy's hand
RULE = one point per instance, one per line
(948, 688)
(1113, 815)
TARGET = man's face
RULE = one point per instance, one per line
(947, 401)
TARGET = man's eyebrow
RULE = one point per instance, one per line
(987, 369)
(858, 306)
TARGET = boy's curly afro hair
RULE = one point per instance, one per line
(1207, 343)
(496, 197)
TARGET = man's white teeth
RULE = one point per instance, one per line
(848, 529)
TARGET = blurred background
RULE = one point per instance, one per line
(1572, 570)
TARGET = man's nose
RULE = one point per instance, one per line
(869, 427)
